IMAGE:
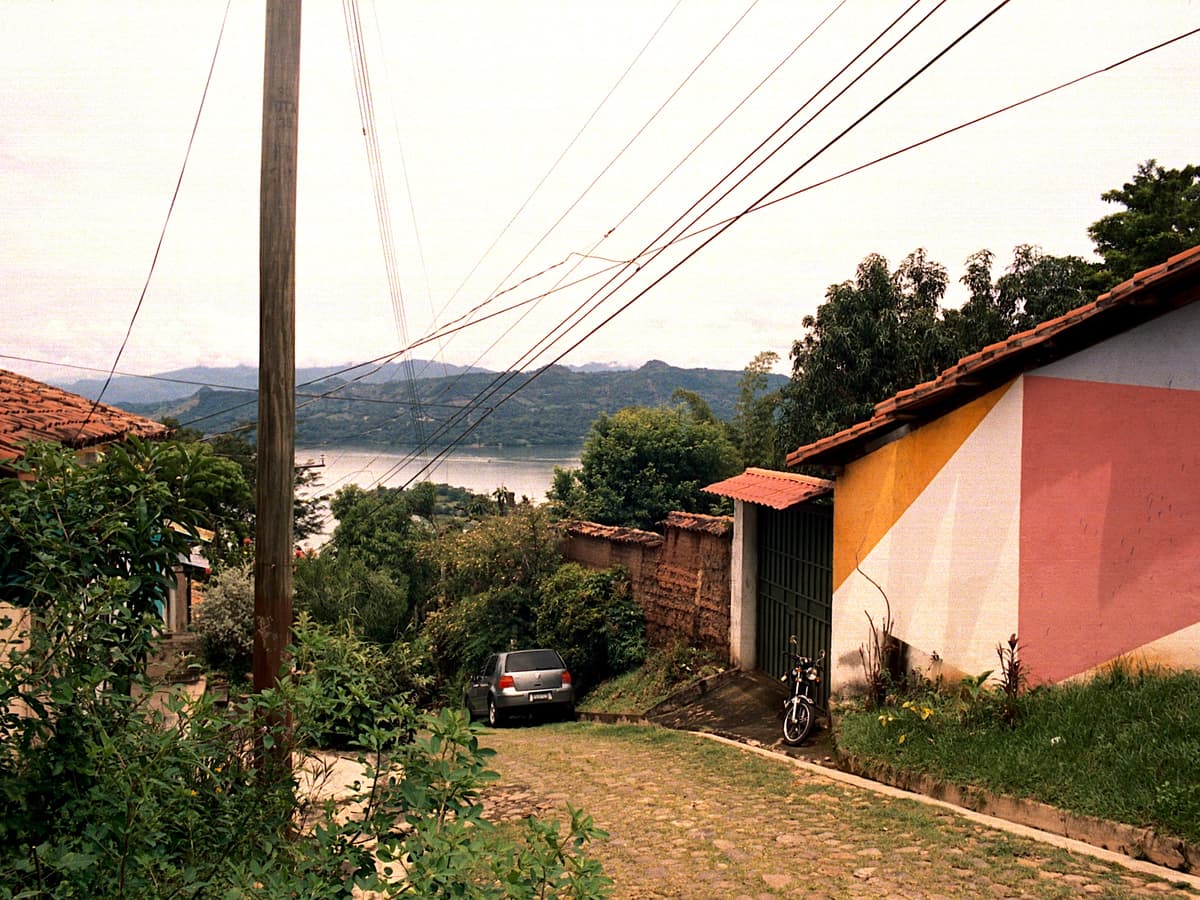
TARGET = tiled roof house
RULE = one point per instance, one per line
(33, 411)
(1047, 486)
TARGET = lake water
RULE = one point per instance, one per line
(526, 471)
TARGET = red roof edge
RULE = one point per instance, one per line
(768, 487)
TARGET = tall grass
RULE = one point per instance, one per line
(1124, 746)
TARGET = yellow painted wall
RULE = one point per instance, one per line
(874, 491)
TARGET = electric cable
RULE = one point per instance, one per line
(163, 233)
(755, 208)
(578, 313)
(366, 105)
(590, 254)
(737, 218)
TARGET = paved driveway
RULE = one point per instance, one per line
(690, 817)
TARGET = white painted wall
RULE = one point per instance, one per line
(949, 565)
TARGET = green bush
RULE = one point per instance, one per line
(108, 791)
(345, 686)
(225, 622)
(590, 617)
(339, 588)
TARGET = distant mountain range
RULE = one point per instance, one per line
(554, 406)
(180, 383)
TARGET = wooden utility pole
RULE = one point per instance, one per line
(276, 343)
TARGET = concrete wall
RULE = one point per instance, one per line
(1064, 507)
(681, 581)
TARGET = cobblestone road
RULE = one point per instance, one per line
(688, 817)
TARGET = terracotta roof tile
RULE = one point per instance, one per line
(616, 533)
(766, 487)
(33, 411)
(1149, 293)
(685, 521)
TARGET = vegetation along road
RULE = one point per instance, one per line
(690, 817)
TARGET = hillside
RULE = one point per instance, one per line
(179, 384)
(556, 408)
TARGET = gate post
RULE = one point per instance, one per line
(743, 586)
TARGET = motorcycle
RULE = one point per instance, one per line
(799, 709)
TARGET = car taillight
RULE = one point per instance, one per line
(506, 681)
(566, 679)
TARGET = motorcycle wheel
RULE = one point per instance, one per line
(797, 721)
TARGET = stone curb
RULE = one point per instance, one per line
(1130, 840)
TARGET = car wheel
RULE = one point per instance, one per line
(495, 716)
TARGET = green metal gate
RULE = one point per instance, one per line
(795, 586)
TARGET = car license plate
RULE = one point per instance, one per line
(544, 695)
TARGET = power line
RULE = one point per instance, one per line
(758, 206)
(579, 313)
(731, 222)
(366, 105)
(162, 234)
(633, 62)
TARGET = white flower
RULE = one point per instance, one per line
(1056, 740)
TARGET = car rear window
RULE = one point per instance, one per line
(528, 660)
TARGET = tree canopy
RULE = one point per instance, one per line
(884, 331)
(641, 463)
(1161, 218)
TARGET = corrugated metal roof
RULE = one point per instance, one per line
(1171, 285)
(33, 411)
(685, 521)
(766, 487)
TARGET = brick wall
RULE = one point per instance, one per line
(680, 579)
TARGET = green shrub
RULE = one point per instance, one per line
(339, 588)
(107, 792)
(225, 622)
(345, 686)
(590, 617)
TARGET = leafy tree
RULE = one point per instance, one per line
(1161, 218)
(1036, 287)
(71, 530)
(488, 587)
(754, 425)
(872, 337)
(641, 463)
(234, 448)
(378, 527)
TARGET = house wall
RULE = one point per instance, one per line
(681, 584)
(1110, 524)
(1063, 507)
(932, 519)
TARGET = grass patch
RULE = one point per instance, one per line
(1124, 746)
(664, 672)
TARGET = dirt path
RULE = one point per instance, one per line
(694, 818)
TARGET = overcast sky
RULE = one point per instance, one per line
(475, 101)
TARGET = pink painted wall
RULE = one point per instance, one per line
(1110, 521)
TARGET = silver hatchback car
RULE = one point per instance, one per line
(526, 681)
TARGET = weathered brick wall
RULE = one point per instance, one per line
(681, 581)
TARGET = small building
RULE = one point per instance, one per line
(1047, 486)
(31, 410)
(781, 566)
